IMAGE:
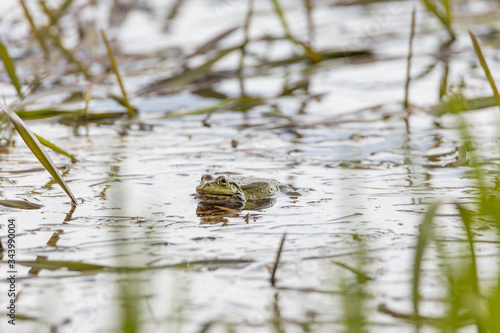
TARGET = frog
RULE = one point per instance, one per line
(240, 188)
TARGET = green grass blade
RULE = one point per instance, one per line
(457, 104)
(20, 204)
(406, 102)
(68, 53)
(36, 147)
(47, 12)
(44, 113)
(62, 9)
(189, 75)
(281, 16)
(11, 69)
(426, 235)
(311, 54)
(445, 19)
(448, 10)
(58, 264)
(36, 32)
(55, 148)
(466, 217)
(472, 278)
(131, 110)
(486, 69)
(246, 39)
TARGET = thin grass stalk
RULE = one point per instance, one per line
(36, 32)
(410, 55)
(62, 10)
(308, 6)
(281, 16)
(443, 85)
(311, 54)
(88, 96)
(246, 38)
(443, 18)
(11, 69)
(131, 110)
(426, 235)
(448, 10)
(36, 148)
(48, 12)
(172, 14)
(68, 53)
(467, 222)
(474, 279)
(276, 262)
(484, 64)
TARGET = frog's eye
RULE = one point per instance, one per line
(206, 178)
(222, 181)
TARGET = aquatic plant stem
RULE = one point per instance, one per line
(426, 234)
(246, 38)
(36, 32)
(68, 53)
(444, 18)
(131, 110)
(308, 6)
(484, 64)
(11, 69)
(311, 54)
(410, 55)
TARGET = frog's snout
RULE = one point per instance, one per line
(200, 187)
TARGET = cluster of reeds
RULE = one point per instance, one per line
(51, 45)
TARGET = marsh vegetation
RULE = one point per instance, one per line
(385, 111)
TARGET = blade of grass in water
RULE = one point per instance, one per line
(55, 15)
(486, 69)
(36, 32)
(246, 39)
(472, 278)
(68, 53)
(131, 110)
(20, 204)
(311, 54)
(410, 54)
(88, 96)
(11, 69)
(188, 76)
(458, 104)
(308, 6)
(237, 104)
(36, 148)
(277, 260)
(47, 12)
(426, 234)
(81, 266)
(55, 148)
(444, 18)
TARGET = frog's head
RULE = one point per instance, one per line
(221, 186)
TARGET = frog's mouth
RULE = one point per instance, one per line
(221, 198)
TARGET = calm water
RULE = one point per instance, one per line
(372, 178)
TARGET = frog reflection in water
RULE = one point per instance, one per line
(238, 193)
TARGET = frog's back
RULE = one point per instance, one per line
(255, 188)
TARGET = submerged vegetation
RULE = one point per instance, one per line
(78, 70)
